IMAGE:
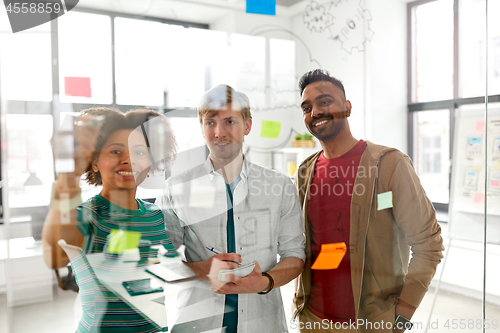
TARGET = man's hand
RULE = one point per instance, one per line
(218, 261)
(252, 283)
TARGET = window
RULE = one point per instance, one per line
(85, 58)
(448, 62)
(25, 62)
(433, 51)
(432, 148)
(29, 160)
(472, 42)
(141, 43)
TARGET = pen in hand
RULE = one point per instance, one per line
(211, 249)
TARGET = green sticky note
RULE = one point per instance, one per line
(270, 129)
(384, 200)
(122, 240)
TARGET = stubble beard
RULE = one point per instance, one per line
(331, 133)
(227, 157)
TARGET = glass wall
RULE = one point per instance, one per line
(454, 147)
(90, 58)
(49, 73)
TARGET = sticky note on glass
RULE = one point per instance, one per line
(480, 126)
(330, 256)
(270, 129)
(478, 197)
(77, 86)
(497, 165)
(478, 167)
(266, 7)
(122, 240)
(384, 200)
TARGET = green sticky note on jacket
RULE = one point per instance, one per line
(384, 200)
(122, 240)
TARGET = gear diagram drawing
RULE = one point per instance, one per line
(316, 18)
(345, 20)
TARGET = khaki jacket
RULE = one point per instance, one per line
(380, 239)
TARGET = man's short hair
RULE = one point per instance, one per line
(318, 75)
(219, 97)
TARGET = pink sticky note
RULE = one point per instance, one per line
(480, 126)
(77, 86)
(495, 183)
(478, 197)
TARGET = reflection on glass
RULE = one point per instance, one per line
(85, 58)
(473, 48)
(434, 51)
(432, 145)
(30, 165)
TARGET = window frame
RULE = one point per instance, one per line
(451, 104)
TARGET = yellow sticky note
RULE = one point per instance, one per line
(497, 165)
(384, 200)
(270, 129)
(330, 256)
(478, 167)
(122, 240)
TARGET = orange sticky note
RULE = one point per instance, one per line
(478, 197)
(480, 126)
(330, 256)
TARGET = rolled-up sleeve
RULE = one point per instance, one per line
(291, 239)
(173, 226)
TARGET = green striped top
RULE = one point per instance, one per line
(103, 309)
(97, 217)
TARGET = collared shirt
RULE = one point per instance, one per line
(267, 223)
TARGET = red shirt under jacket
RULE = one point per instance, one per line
(329, 211)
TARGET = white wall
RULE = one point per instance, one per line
(374, 79)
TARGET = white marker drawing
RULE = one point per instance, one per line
(345, 20)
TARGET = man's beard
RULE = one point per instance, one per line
(332, 132)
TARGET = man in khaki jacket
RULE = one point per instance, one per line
(366, 199)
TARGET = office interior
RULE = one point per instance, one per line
(416, 72)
